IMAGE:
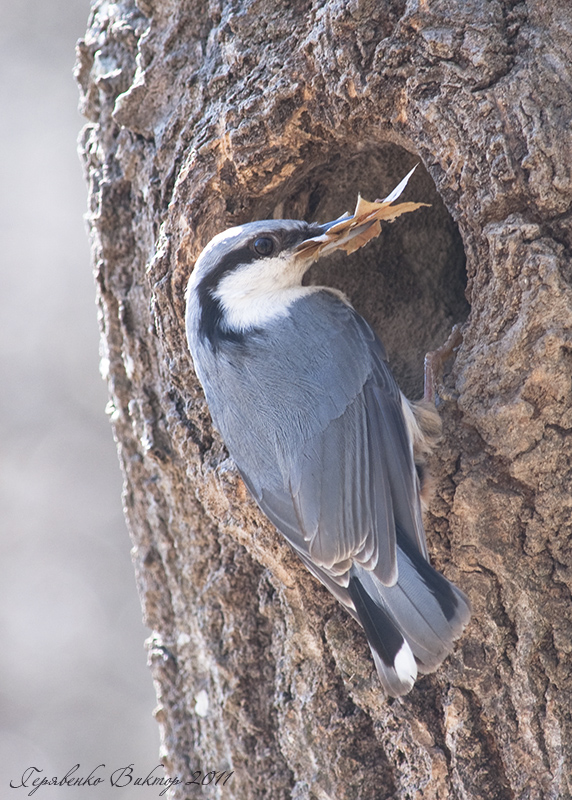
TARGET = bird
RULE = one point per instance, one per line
(299, 386)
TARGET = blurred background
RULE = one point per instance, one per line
(74, 683)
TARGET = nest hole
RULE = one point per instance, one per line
(410, 282)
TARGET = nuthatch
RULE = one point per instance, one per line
(299, 387)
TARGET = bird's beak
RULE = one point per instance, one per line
(351, 231)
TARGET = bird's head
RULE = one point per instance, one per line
(275, 248)
(249, 274)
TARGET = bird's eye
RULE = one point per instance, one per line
(264, 245)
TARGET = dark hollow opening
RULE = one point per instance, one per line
(410, 282)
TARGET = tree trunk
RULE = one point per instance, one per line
(206, 115)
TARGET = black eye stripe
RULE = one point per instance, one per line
(211, 309)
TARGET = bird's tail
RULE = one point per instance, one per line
(412, 625)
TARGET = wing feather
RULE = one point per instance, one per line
(352, 480)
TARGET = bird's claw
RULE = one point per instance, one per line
(434, 365)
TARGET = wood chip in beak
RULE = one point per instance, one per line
(350, 232)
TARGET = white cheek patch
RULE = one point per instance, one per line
(259, 292)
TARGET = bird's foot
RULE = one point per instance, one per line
(435, 364)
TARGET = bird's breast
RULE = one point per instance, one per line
(282, 384)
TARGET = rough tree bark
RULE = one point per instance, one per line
(204, 115)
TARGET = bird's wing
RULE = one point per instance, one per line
(353, 481)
